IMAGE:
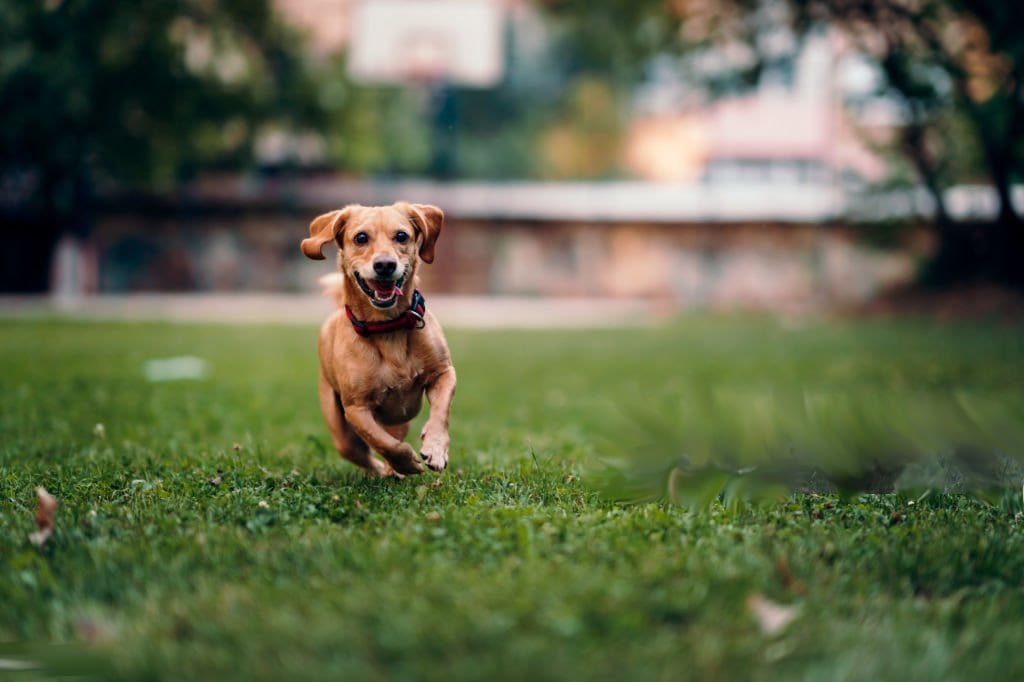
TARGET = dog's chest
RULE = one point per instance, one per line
(398, 393)
(394, 382)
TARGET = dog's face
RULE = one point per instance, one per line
(380, 247)
(379, 252)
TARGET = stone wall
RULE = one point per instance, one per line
(743, 265)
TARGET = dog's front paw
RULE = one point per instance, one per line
(435, 452)
(404, 461)
(436, 461)
(379, 469)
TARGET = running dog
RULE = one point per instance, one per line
(382, 350)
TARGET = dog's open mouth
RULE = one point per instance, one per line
(383, 293)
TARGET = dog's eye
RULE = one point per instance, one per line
(402, 237)
(361, 238)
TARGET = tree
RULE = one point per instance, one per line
(941, 55)
(142, 93)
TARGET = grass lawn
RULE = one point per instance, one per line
(207, 530)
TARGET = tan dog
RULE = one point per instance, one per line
(381, 351)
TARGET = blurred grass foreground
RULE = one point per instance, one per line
(851, 408)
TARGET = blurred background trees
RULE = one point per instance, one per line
(149, 96)
(144, 94)
(956, 67)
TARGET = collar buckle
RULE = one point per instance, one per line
(419, 323)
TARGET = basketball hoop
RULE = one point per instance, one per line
(426, 42)
(428, 60)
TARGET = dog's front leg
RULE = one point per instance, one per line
(401, 456)
(345, 439)
(434, 437)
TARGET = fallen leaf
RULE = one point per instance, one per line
(789, 581)
(771, 617)
(46, 517)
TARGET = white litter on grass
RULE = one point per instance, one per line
(771, 617)
(176, 369)
(17, 664)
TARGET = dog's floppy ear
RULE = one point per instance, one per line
(427, 220)
(323, 229)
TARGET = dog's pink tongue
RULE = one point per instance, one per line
(386, 292)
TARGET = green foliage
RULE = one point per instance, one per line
(142, 92)
(382, 131)
(165, 564)
(586, 139)
(613, 39)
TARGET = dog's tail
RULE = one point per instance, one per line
(333, 286)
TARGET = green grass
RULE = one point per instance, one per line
(509, 565)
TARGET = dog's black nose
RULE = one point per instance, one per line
(385, 267)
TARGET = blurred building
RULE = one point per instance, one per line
(796, 125)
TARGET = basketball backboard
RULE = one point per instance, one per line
(460, 42)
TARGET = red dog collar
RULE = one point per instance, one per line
(410, 319)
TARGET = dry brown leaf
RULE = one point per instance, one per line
(789, 581)
(770, 616)
(46, 517)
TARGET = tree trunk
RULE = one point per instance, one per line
(25, 259)
(31, 228)
(1007, 234)
(1003, 243)
(954, 259)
